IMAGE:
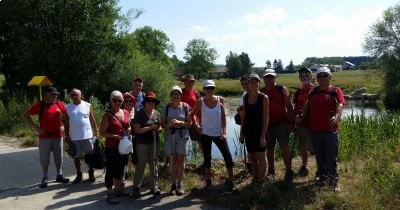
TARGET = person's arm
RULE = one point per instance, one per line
(265, 118)
(242, 115)
(104, 127)
(288, 104)
(196, 109)
(66, 128)
(223, 123)
(28, 119)
(93, 123)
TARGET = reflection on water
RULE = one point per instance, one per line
(352, 107)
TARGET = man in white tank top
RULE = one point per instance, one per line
(80, 130)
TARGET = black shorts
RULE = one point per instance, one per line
(252, 141)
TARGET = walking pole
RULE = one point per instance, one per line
(154, 159)
(332, 176)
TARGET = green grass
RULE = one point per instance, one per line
(348, 81)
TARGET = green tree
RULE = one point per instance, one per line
(246, 63)
(234, 65)
(290, 67)
(154, 43)
(199, 57)
(72, 42)
(383, 41)
(268, 64)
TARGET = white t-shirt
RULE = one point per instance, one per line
(79, 121)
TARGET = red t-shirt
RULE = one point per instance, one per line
(277, 108)
(116, 127)
(300, 100)
(321, 107)
(50, 121)
(190, 98)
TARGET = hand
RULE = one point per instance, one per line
(39, 130)
(62, 129)
(199, 129)
(263, 143)
(334, 120)
(298, 119)
(223, 137)
(241, 139)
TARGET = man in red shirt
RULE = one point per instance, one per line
(302, 130)
(50, 130)
(324, 110)
(190, 96)
(280, 111)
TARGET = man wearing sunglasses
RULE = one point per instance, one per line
(80, 129)
(324, 110)
(280, 114)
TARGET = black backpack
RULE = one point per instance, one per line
(97, 160)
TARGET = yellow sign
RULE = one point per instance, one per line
(40, 81)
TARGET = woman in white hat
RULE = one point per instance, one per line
(212, 127)
(176, 121)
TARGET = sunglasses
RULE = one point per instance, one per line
(323, 76)
(127, 100)
(72, 95)
(305, 75)
(269, 77)
(116, 100)
(209, 88)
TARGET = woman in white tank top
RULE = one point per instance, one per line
(212, 126)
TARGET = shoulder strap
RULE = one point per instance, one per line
(43, 104)
(197, 94)
(279, 88)
(166, 113)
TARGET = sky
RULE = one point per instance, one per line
(264, 29)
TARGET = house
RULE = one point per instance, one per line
(219, 69)
(348, 65)
(335, 68)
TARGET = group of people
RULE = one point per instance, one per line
(267, 116)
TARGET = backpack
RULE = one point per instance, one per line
(316, 90)
(277, 87)
(43, 104)
(97, 160)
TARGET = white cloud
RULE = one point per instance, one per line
(265, 16)
(198, 28)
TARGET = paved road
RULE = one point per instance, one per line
(20, 174)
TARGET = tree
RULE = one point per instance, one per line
(246, 63)
(290, 67)
(268, 64)
(154, 43)
(383, 41)
(234, 65)
(199, 57)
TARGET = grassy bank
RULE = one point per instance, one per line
(347, 80)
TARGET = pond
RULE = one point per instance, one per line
(353, 107)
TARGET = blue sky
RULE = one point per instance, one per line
(264, 29)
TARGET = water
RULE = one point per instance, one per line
(353, 107)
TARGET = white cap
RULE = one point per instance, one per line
(176, 87)
(208, 83)
(323, 70)
(269, 72)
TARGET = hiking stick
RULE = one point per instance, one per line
(332, 176)
(154, 159)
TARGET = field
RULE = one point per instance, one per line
(348, 81)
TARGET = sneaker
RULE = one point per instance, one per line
(122, 192)
(319, 181)
(208, 183)
(155, 191)
(136, 192)
(179, 190)
(303, 171)
(289, 176)
(112, 199)
(172, 190)
(44, 182)
(92, 178)
(230, 186)
(61, 179)
(271, 174)
(78, 178)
